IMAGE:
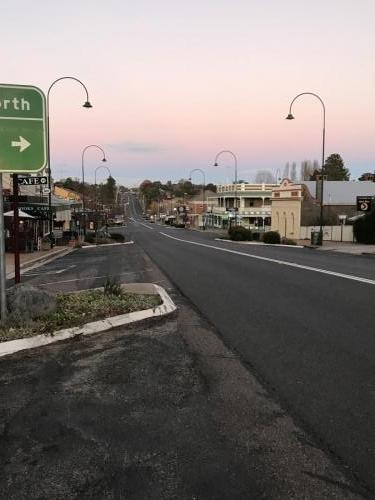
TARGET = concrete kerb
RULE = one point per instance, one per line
(167, 307)
(41, 261)
(259, 243)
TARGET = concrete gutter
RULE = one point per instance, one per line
(42, 260)
(167, 307)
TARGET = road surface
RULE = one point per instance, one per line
(301, 320)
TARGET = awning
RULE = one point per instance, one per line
(21, 214)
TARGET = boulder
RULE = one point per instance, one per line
(28, 302)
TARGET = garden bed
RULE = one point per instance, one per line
(77, 309)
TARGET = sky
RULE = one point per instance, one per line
(174, 82)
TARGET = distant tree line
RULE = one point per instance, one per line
(156, 190)
(104, 193)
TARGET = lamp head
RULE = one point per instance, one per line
(104, 159)
(216, 164)
(290, 117)
(87, 104)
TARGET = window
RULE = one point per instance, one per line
(294, 193)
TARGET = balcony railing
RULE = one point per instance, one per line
(248, 211)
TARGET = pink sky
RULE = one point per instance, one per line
(173, 83)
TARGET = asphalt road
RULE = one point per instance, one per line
(301, 320)
(157, 410)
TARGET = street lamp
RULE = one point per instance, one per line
(291, 117)
(96, 197)
(83, 179)
(110, 174)
(86, 104)
(203, 188)
(235, 179)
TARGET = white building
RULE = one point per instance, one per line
(253, 206)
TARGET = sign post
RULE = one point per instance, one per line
(3, 300)
(23, 139)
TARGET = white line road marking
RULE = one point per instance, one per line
(276, 261)
(60, 271)
(55, 271)
(148, 227)
(84, 279)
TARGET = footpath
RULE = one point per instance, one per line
(341, 247)
(28, 260)
(158, 410)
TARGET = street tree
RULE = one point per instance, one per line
(335, 169)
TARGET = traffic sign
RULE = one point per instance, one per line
(23, 130)
(364, 203)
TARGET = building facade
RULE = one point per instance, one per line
(253, 206)
(296, 208)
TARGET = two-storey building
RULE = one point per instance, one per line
(253, 206)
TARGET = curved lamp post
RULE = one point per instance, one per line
(203, 188)
(235, 178)
(110, 174)
(291, 117)
(104, 159)
(96, 198)
(86, 104)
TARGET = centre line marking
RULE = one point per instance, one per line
(276, 261)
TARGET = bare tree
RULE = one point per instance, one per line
(264, 176)
(307, 169)
(286, 171)
(293, 172)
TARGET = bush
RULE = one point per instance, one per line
(112, 287)
(118, 237)
(288, 241)
(239, 233)
(90, 238)
(364, 229)
(272, 237)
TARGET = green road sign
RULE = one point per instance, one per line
(23, 130)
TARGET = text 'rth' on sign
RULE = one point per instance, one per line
(16, 104)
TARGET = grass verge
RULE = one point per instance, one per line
(76, 309)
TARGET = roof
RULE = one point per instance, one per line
(342, 192)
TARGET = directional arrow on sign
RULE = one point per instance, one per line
(22, 144)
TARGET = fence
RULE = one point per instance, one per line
(330, 233)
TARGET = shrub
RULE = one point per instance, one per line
(239, 233)
(112, 287)
(288, 241)
(364, 229)
(120, 238)
(90, 238)
(272, 237)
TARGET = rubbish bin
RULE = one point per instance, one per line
(316, 238)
